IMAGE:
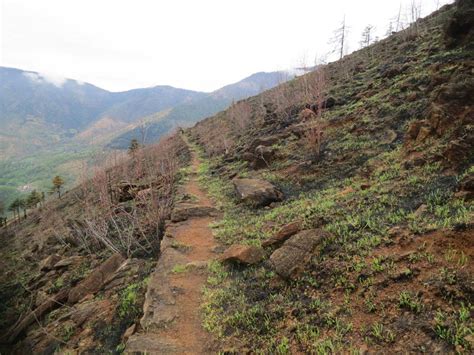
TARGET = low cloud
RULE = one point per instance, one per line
(41, 78)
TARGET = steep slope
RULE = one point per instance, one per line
(347, 195)
(75, 270)
(369, 246)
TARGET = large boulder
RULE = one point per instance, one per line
(96, 279)
(290, 259)
(256, 192)
(242, 254)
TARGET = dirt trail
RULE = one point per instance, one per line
(172, 315)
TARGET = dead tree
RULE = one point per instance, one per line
(340, 38)
(367, 39)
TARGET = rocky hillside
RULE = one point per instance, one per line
(341, 205)
(356, 181)
(74, 271)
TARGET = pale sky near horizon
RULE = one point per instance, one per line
(199, 45)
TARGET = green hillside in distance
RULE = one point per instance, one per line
(44, 123)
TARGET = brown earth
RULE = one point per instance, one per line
(185, 275)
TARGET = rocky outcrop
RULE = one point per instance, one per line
(89, 310)
(51, 303)
(96, 279)
(260, 152)
(242, 254)
(256, 192)
(290, 259)
(49, 262)
(460, 28)
(72, 260)
(185, 211)
(160, 306)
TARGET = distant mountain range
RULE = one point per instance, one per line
(199, 107)
(33, 103)
(50, 125)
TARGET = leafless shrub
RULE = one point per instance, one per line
(133, 226)
(314, 135)
(240, 114)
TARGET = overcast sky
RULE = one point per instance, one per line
(194, 44)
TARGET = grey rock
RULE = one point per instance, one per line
(256, 192)
(290, 259)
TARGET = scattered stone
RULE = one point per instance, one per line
(400, 274)
(422, 209)
(129, 332)
(96, 279)
(389, 136)
(256, 192)
(267, 154)
(49, 262)
(243, 254)
(423, 133)
(283, 234)
(457, 152)
(391, 71)
(414, 128)
(72, 260)
(260, 158)
(185, 211)
(306, 115)
(298, 130)
(86, 311)
(266, 141)
(466, 188)
(290, 259)
(414, 159)
(329, 102)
